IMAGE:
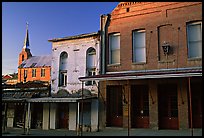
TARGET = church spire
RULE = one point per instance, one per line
(26, 41)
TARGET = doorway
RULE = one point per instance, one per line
(114, 106)
(168, 106)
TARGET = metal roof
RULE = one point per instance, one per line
(36, 61)
(160, 73)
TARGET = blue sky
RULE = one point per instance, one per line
(47, 20)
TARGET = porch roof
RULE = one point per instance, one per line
(60, 100)
(147, 74)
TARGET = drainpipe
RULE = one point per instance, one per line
(103, 31)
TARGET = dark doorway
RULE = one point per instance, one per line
(139, 106)
(196, 92)
(36, 115)
(63, 112)
(114, 106)
(19, 115)
(168, 106)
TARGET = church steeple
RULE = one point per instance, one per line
(26, 41)
(25, 53)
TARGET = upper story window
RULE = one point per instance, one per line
(90, 64)
(194, 36)
(42, 72)
(139, 47)
(63, 78)
(114, 48)
(91, 58)
(63, 61)
(22, 57)
(33, 72)
(63, 69)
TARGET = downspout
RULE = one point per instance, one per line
(103, 31)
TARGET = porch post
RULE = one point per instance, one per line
(190, 104)
(128, 107)
(82, 105)
(5, 118)
(77, 122)
(24, 118)
(28, 126)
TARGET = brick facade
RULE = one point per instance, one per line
(162, 22)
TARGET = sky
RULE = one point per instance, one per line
(47, 20)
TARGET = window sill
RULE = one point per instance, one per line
(166, 61)
(139, 63)
(193, 59)
(111, 65)
(62, 86)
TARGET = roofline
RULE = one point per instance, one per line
(74, 37)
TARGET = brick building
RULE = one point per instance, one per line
(33, 68)
(151, 66)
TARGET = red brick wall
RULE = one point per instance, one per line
(26, 53)
(38, 74)
(168, 18)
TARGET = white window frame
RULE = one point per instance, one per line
(63, 78)
(142, 47)
(42, 72)
(199, 47)
(90, 72)
(91, 58)
(33, 72)
(111, 51)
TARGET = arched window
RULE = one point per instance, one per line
(22, 58)
(63, 60)
(63, 69)
(90, 64)
(91, 58)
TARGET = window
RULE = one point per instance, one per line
(194, 36)
(33, 72)
(139, 48)
(91, 58)
(22, 57)
(63, 62)
(42, 72)
(90, 64)
(90, 73)
(25, 73)
(114, 48)
(63, 78)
